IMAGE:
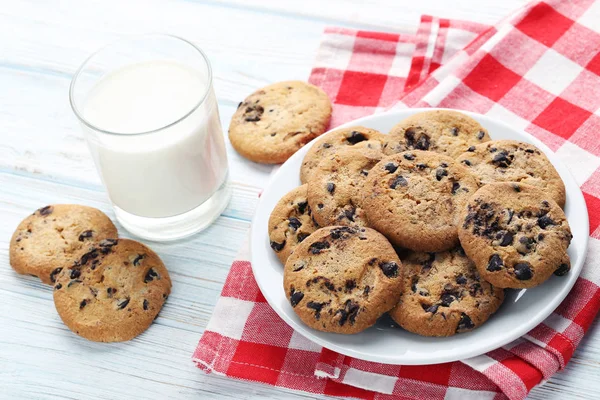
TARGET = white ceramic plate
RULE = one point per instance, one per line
(522, 310)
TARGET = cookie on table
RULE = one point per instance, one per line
(443, 294)
(443, 131)
(516, 235)
(356, 136)
(274, 122)
(53, 236)
(341, 279)
(413, 198)
(113, 292)
(290, 222)
(513, 161)
(335, 187)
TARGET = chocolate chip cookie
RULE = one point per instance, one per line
(443, 294)
(512, 161)
(516, 235)
(53, 236)
(356, 136)
(443, 131)
(341, 279)
(113, 292)
(335, 187)
(274, 122)
(413, 198)
(290, 222)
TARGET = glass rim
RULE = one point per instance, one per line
(79, 71)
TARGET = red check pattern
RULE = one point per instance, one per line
(538, 70)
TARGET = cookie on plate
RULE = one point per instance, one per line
(335, 187)
(413, 198)
(443, 294)
(290, 223)
(356, 136)
(341, 279)
(443, 131)
(53, 236)
(513, 161)
(274, 122)
(113, 292)
(516, 235)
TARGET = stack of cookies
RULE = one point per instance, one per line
(430, 223)
(106, 289)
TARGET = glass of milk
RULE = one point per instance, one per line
(149, 113)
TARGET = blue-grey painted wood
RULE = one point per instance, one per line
(44, 159)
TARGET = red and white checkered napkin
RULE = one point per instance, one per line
(538, 70)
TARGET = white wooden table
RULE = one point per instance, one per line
(43, 159)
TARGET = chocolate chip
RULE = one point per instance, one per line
(145, 304)
(110, 291)
(253, 113)
(507, 239)
(454, 131)
(421, 166)
(541, 237)
(455, 187)
(461, 279)
(545, 222)
(350, 284)
(331, 187)
(447, 299)
(390, 269)
(366, 290)
(471, 149)
(562, 270)
(409, 157)
(123, 303)
(325, 145)
(523, 271)
(46, 210)
(72, 282)
(440, 173)
(294, 223)
(295, 297)
(85, 235)
(83, 303)
(467, 162)
(464, 323)
(53, 274)
(107, 244)
(502, 159)
(277, 246)
(480, 135)
(302, 206)
(364, 172)
(398, 181)
(75, 273)
(430, 308)
(474, 289)
(342, 232)
(58, 287)
(320, 205)
(317, 307)
(356, 137)
(301, 236)
(495, 263)
(150, 275)
(529, 151)
(349, 312)
(317, 247)
(516, 187)
(138, 259)
(391, 167)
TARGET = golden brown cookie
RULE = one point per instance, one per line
(512, 161)
(113, 292)
(290, 222)
(443, 131)
(341, 279)
(443, 294)
(274, 122)
(413, 198)
(516, 235)
(355, 136)
(53, 236)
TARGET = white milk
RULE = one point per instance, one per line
(166, 172)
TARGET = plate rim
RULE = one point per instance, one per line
(308, 333)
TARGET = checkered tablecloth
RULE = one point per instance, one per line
(538, 70)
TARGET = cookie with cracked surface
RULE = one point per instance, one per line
(335, 187)
(53, 236)
(413, 198)
(113, 292)
(513, 161)
(443, 294)
(443, 131)
(516, 235)
(290, 223)
(341, 279)
(356, 136)
(276, 121)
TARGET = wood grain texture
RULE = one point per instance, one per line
(44, 159)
